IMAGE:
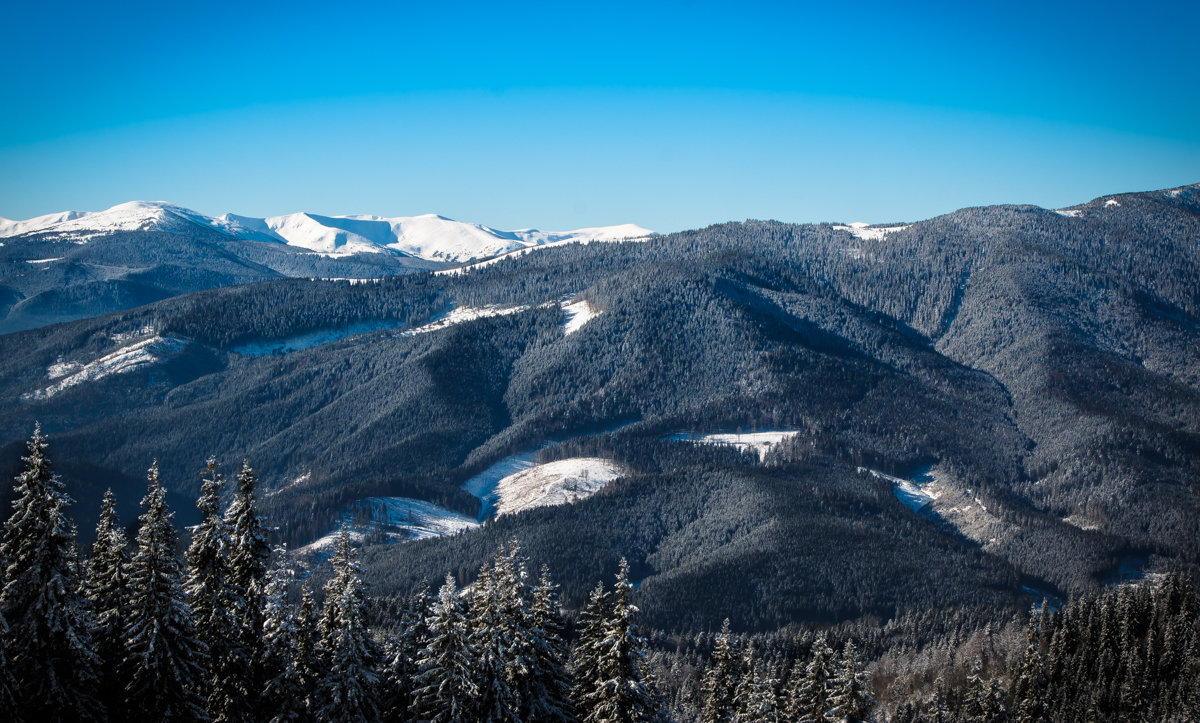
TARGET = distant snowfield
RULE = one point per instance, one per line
(554, 483)
(1111, 202)
(868, 232)
(758, 442)
(578, 313)
(1069, 212)
(638, 235)
(394, 519)
(44, 261)
(463, 314)
(123, 360)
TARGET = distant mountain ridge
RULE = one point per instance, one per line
(429, 236)
(74, 264)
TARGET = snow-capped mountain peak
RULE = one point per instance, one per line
(428, 236)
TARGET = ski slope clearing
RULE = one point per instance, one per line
(391, 520)
(554, 483)
(578, 313)
(758, 442)
(123, 360)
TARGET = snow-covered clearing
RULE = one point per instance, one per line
(758, 442)
(910, 493)
(1111, 202)
(1069, 212)
(125, 359)
(867, 232)
(483, 485)
(578, 313)
(312, 338)
(1081, 522)
(460, 315)
(394, 519)
(934, 494)
(554, 483)
(44, 261)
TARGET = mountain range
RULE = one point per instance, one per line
(75, 264)
(772, 422)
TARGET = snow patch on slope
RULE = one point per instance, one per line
(393, 519)
(1111, 202)
(1069, 212)
(463, 314)
(578, 313)
(121, 361)
(867, 232)
(910, 493)
(554, 483)
(758, 442)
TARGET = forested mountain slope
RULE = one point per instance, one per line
(1044, 366)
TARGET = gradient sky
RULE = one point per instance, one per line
(562, 115)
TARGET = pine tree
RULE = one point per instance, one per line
(48, 640)
(106, 587)
(346, 690)
(850, 689)
(720, 680)
(623, 694)
(249, 555)
(217, 607)
(549, 691)
(164, 656)
(446, 690)
(283, 695)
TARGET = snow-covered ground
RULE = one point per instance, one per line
(312, 338)
(578, 313)
(910, 493)
(462, 314)
(1069, 212)
(429, 236)
(554, 483)
(643, 235)
(125, 359)
(394, 519)
(758, 442)
(868, 232)
(484, 484)
(44, 261)
(1111, 202)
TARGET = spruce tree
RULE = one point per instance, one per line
(720, 680)
(446, 690)
(309, 665)
(549, 691)
(490, 642)
(586, 657)
(164, 656)
(850, 689)
(622, 694)
(755, 700)
(106, 587)
(283, 695)
(813, 696)
(8, 684)
(48, 641)
(249, 555)
(217, 608)
(347, 687)
(398, 677)
(1029, 688)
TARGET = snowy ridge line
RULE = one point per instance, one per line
(121, 361)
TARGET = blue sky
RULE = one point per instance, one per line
(562, 115)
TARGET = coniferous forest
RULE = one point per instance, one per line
(229, 631)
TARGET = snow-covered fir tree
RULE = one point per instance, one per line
(309, 663)
(850, 689)
(8, 684)
(107, 589)
(346, 689)
(756, 699)
(500, 637)
(622, 693)
(398, 676)
(548, 696)
(164, 656)
(720, 680)
(48, 642)
(1029, 688)
(249, 555)
(585, 657)
(813, 693)
(283, 695)
(446, 690)
(217, 608)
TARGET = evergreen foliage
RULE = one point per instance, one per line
(106, 587)
(346, 690)
(284, 693)
(547, 694)
(623, 693)
(165, 660)
(446, 689)
(48, 641)
(721, 680)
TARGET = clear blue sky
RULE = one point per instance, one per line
(561, 115)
